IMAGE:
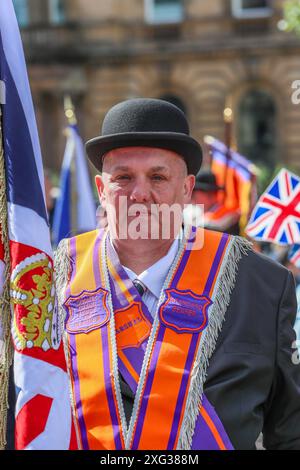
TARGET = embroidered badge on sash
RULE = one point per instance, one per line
(184, 311)
(132, 328)
(86, 311)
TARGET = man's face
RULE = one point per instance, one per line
(145, 177)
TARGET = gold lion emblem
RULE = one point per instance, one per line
(32, 292)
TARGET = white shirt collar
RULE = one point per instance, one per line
(154, 276)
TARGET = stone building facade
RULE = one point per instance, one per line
(202, 55)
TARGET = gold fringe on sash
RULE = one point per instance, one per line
(237, 247)
(62, 269)
(6, 352)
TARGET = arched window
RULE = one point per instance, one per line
(174, 100)
(251, 8)
(22, 12)
(257, 133)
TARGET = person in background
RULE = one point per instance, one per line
(204, 200)
(206, 210)
(296, 274)
(281, 255)
(206, 191)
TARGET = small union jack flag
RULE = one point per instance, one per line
(294, 255)
(276, 216)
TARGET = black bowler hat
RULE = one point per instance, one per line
(145, 122)
(206, 181)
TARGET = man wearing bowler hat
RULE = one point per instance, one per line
(206, 190)
(216, 215)
(175, 338)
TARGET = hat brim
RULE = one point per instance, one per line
(182, 144)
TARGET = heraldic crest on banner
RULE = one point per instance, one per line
(33, 297)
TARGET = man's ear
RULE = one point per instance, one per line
(100, 189)
(188, 188)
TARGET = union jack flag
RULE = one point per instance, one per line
(294, 255)
(43, 411)
(276, 216)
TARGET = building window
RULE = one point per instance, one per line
(251, 8)
(163, 11)
(22, 13)
(257, 131)
(56, 11)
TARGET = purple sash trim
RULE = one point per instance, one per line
(109, 391)
(73, 355)
(147, 389)
(182, 264)
(105, 349)
(112, 255)
(190, 357)
(134, 355)
(216, 263)
(180, 400)
(203, 438)
(152, 368)
(127, 281)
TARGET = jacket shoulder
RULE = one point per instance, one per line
(67, 246)
(261, 281)
(261, 265)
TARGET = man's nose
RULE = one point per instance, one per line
(141, 192)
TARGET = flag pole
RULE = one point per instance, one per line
(6, 350)
(228, 120)
(70, 110)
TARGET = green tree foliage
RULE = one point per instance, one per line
(291, 12)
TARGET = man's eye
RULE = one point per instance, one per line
(158, 177)
(122, 177)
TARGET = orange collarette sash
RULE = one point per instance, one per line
(103, 335)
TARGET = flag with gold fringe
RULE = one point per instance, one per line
(43, 410)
